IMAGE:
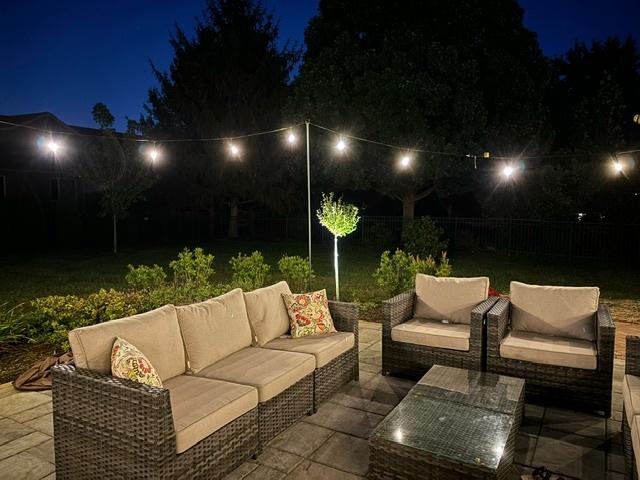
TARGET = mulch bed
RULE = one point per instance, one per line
(15, 359)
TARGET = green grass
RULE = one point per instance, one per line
(23, 278)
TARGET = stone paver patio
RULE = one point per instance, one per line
(332, 444)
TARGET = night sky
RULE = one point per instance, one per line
(64, 56)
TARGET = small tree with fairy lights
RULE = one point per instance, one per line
(340, 219)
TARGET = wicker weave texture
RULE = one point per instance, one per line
(568, 387)
(106, 427)
(410, 360)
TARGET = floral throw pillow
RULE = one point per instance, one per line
(130, 363)
(308, 313)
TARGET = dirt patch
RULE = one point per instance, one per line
(18, 358)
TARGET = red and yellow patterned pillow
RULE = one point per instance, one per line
(130, 363)
(308, 313)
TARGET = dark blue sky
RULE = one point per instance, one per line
(65, 56)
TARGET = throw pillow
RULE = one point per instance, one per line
(130, 363)
(308, 313)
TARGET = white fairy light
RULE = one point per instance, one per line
(405, 161)
(507, 171)
(291, 138)
(341, 146)
(234, 150)
(618, 166)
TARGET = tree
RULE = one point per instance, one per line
(446, 76)
(340, 219)
(114, 167)
(231, 78)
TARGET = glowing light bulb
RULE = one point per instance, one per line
(291, 138)
(405, 161)
(154, 154)
(507, 171)
(53, 146)
(341, 146)
(618, 167)
(234, 149)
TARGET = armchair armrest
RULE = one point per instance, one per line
(478, 315)
(605, 337)
(632, 363)
(397, 310)
(124, 415)
(345, 316)
(497, 324)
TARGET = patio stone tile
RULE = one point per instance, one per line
(615, 476)
(389, 384)
(315, 471)
(570, 454)
(372, 325)
(575, 422)
(10, 430)
(279, 459)
(50, 477)
(368, 367)
(364, 399)
(366, 376)
(301, 439)
(369, 336)
(615, 458)
(7, 389)
(264, 473)
(22, 443)
(616, 402)
(344, 452)
(44, 451)
(43, 424)
(532, 422)
(242, 471)
(518, 470)
(525, 448)
(346, 420)
(25, 466)
(21, 401)
(614, 431)
(372, 356)
(32, 413)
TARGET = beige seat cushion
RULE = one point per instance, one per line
(433, 333)
(214, 329)
(448, 298)
(325, 347)
(631, 396)
(201, 406)
(548, 350)
(155, 333)
(558, 311)
(635, 439)
(267, 313)
(270, 371)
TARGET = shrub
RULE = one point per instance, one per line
(178, 295)
(192, 268)
(144, 277)
(249, 271)
(396, 273)
(295, 271)
(55, 315)
(13, 324)
(422, 238)
(111, 304)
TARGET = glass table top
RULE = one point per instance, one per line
(463, 415)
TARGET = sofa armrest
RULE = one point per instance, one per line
(345, 316)
(478, 315)
(605, 337)
(397, 310)
(125, 415)
(497, 326)
(632, 359)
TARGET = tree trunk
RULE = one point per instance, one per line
(115, 233)
(233, 218)
(211, 223)
(335, 266)
(408, 208)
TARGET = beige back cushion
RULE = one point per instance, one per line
(559, 311)
(449, 299)
(214, 329)
(267, 313)
(156, 334)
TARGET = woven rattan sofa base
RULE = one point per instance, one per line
(339, 371)
(112, 428)
(280, 412)
(627, 445)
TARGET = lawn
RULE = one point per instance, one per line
(23, 278)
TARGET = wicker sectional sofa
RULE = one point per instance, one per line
(231, 382)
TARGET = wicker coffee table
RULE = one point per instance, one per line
(453, 424)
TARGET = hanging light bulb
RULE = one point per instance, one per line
(234, 149)
(291, 138)
(405, 161)
(341, 146)
(53, 146)
(154, 154)
(618, 166)
(507, 171)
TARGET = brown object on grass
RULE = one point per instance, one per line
(38, 376)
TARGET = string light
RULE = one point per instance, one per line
(341, 146)
(234, 150)
(618, 166)
(53, 146)
(405, 161)
(507, 171)
(291, 138)
(154, 154)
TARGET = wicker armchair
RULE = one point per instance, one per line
(112, 428)
(569, 387)
(412, 360)
(632, 367)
